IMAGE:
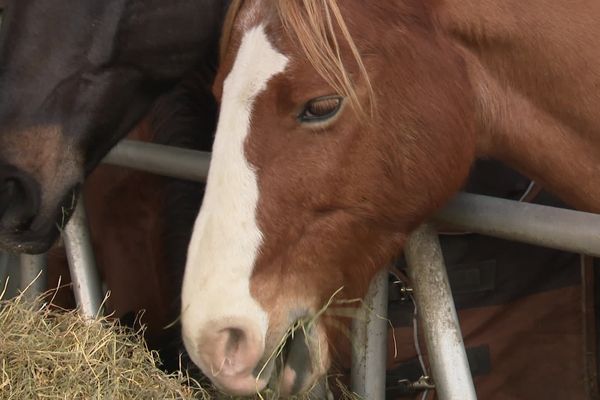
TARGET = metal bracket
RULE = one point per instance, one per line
(423, 383)
(406, 291)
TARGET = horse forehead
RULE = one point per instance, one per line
(256, 62)
(250, 14)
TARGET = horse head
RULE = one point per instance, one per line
(340, 130)
(75, 76)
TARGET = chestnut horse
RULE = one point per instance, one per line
(343, 126)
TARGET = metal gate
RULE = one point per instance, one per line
(562, 229)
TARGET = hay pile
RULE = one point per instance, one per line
(57, 355)
(50, 354)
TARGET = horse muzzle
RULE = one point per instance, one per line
(25, 225)
(234, 357)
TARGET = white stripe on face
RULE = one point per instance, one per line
(226, 237)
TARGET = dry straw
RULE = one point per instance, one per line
(50, 354)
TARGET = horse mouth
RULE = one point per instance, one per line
(43, 231)
(26, 245)
(296, 366)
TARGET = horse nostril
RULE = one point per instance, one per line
(234, 342)
(19, 202)
(236, 351)
(229, 351)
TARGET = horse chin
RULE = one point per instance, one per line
(36, 240)
(28, 243)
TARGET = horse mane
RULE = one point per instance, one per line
(313, 23)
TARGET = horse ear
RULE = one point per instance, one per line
(104, 40)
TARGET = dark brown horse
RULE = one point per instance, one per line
(344, 125)
(141, 223)
(75, 78)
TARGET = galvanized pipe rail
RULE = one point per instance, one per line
(437, 313)
(568, 230)
(369, 341)
(87, 286)
(33, 275)
(557, 228)
(159, 159)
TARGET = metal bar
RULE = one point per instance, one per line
(84, 275)
(530, 223)
(369, 341)
(439, 322)
(558, 228)
(160, 159)
(33, 275)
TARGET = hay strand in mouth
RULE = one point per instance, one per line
(304, 324)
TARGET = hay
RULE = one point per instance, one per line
(47, 353)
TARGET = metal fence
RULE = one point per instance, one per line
(534, 224)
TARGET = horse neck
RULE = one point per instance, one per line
(533, 115)
(540, 146)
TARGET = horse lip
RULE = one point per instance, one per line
(295, 355)
(27, 242)
(264, 369)
(44, 231)
(31, 240)
(66, 207)
(298, 368)
(297, 371)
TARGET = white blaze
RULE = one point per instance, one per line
(226, 238)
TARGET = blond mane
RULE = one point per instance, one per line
(314, 24)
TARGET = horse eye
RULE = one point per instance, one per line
(321, 109)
